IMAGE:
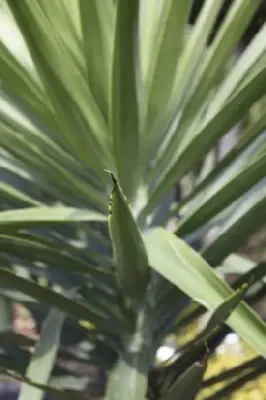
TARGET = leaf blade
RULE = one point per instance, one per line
(187, 270)
(124, 117)
(129, 250)
(44, 357)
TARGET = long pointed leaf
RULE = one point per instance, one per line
(66, 87)
(247, 220)
(47, 296)
(97, 19)
(44, 356)
(229, 34)
(36, 216)
(123, 105)
(207, 136)
(189, 383)
(129, 250)
(177, 262)
(165, 55)
(226, 193)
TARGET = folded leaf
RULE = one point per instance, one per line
(129, 251)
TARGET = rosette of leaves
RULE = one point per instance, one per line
(125, 87)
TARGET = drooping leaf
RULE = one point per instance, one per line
(73, 308)
(185, 268)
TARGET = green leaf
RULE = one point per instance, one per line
(249, 136)
(191, 352)
(13, 194)
(182, 266)
(31, 250)
(6, 314)
(129, 251)
(189, 383)
(250, 57)
(123, 105)
(59, 393)
(204, 79)
(44, 157)
(229, 34)
(248, 218)
(44, 356)
(203, 138)
(219, 196)
(193, 53)
(222, 312)
(40, 216)
(17, 80)
(97, 20)
(60, 64)
(252, 273)
(246, 268)
(47, 296)
(165, 55)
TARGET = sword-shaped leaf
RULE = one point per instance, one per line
(185, 268)
(129, 251)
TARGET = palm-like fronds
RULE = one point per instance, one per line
(126, 86)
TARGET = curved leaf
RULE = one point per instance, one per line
(70, 307)
(182, 266)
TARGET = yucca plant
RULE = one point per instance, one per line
(116, 103)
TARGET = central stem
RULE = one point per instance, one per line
(129, 377)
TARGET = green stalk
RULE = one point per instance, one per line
(129, 377)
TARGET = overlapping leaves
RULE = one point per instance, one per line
(132, 89)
